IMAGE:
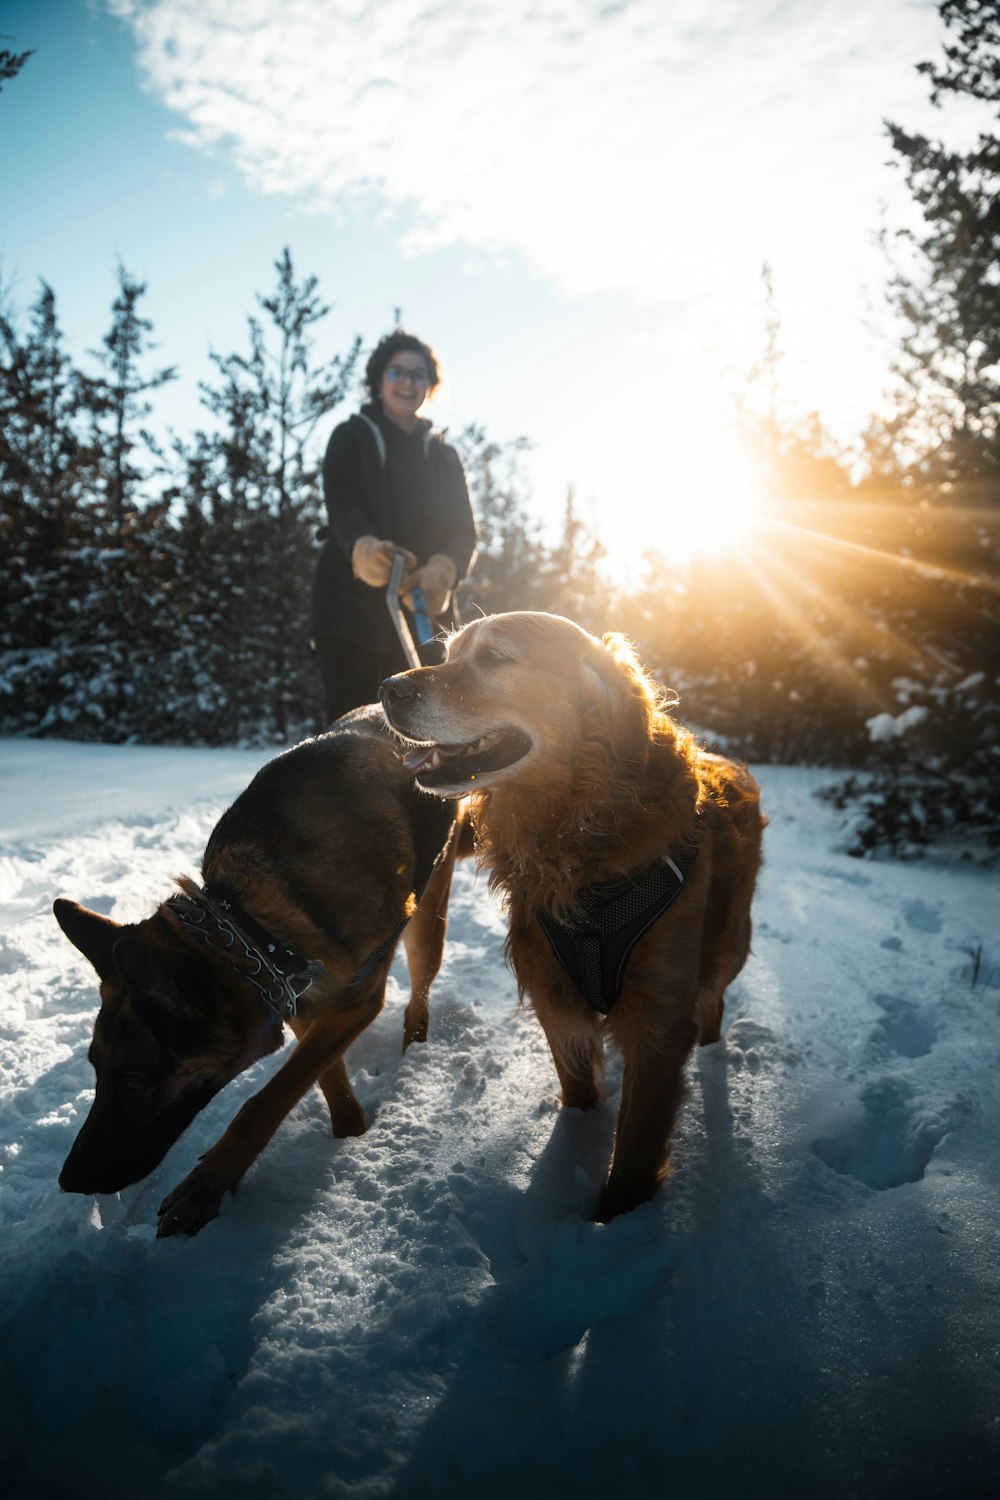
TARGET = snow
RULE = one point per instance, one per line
(885, 727)
(809, 1308)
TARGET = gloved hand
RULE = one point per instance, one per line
(371, 560)
(437, 579)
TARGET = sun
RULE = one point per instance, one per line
(672, 484)
(715, 514)
(710, 504)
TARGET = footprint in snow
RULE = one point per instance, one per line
(851, 877)
(906, 1029)
(753, 1046)
(894, 1139)
(12, 957)
(921, 917)
(764, 929)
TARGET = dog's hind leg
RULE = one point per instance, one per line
(710, 1008)
(728, 957)
(575, 1045)
(346, 1115)
(423, 940)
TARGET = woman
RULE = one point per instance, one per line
(391, 485)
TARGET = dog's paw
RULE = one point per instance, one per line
(619, 1199)
(607, 1209)
(580, 1094)
(347, 1119)
(416, 1022)
(192, 1204)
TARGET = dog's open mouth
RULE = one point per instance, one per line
(457, 765)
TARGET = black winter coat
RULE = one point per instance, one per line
(380, 481)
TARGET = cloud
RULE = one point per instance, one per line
(659, 149)
(652, 149)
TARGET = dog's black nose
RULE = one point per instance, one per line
(396, 690)
(73, 1180)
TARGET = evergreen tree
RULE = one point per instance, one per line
(117, 406)
(11, 64)
(935, 745)
(793, 456)
(947, 293)
(154, 606)
(119, 613)
(514, 567)
(572, 574)
(509, 570)
(47, 474)
(246, 548)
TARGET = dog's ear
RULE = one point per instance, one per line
(625, 698)
(94, 935)
(155, 997)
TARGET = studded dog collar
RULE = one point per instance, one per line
(279, 974)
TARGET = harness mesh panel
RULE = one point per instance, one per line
(616, 914)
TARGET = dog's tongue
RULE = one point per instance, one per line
(418, 756)
(422, 757)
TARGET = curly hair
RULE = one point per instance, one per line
(391, 344)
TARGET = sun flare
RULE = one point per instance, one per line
(693, 490)
(711, 505)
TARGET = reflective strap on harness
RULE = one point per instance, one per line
(595, 948)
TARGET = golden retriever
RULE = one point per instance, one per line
(626, 855)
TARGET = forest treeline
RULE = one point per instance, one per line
(158, 592)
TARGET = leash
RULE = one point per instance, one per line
(386, 946)
(616, 913)
(421, 619)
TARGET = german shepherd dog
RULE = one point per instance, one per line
(626, 855)
(308, 880)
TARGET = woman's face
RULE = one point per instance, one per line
(405, 382)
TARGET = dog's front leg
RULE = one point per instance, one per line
(652, 1090)
(423, 940)
(195, 1201)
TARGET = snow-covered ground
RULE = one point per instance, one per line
(810, 1308)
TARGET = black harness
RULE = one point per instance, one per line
(594, 948)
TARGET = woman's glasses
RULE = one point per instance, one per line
(398, 373)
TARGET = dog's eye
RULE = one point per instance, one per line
(496, 658)
(134, 1083)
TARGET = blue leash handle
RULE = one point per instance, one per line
(421, 619)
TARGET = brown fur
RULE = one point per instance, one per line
(610, 781)
(324, 849)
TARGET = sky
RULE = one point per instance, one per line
(571, 201)
(809, 1307)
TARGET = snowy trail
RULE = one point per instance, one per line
(809, 1307)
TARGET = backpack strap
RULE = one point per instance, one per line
(376, 433)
